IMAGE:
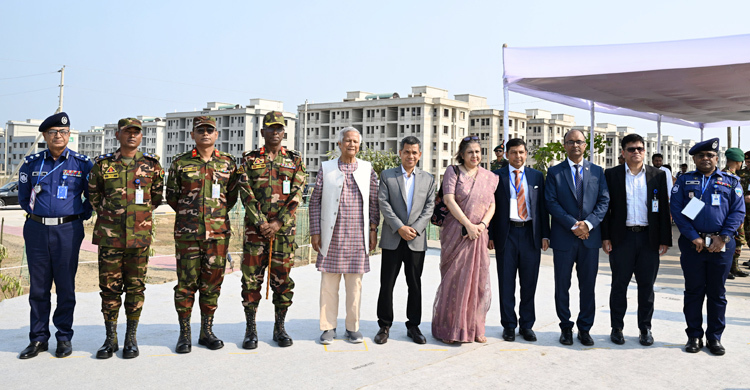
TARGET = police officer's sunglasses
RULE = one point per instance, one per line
(205, 130)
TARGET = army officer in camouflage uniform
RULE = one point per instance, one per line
(735, 157)
(201, 188)
(271, 189)
(125, 187)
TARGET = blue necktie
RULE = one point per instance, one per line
(579, 191)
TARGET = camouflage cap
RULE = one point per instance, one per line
(204, 121)
(273, 118)
(126, 123)
(500, 147)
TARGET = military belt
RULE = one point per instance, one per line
(53, 221)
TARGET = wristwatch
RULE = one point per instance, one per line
(726, 239)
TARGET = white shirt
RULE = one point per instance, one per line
(636, 193)
(669, 181)
(513, 194)
(409, 181)
(573, 173)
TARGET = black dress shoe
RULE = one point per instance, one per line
(617, 337)
(509, 334)
(64, 348)
(382, 336)
(33, 349)
(746, 264)
(415, 334)
(527, 334)
(740, 273)
(646, 338)
(694, 345)
(715, 347)
(585, 338)
(566, 336)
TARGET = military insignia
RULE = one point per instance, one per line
(161, 173)
(258, 161)
(111, 175)
(72, 173)
(241, 169)
(738, 191)
(191, 169)
(24, 177)
(691, 182)
(111, 169)
(715, 144)
(288, 165)
(38, 173)
(675, 188)
(258, 166)
(64, 120)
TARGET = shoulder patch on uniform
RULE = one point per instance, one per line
(294, 153)
(247, 153)
(738, 191)
(23, 177)
(103, 157)
(81, 157)
(151, 156)
(675, 188)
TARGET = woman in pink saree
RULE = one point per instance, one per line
(464, 295)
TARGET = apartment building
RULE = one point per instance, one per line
(239, 127)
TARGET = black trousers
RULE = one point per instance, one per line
(521, 258)
(633, 256)
(391, 266)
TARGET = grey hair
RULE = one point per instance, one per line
(348, 129)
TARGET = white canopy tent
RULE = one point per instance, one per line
(698, 83)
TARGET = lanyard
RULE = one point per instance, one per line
(520, 183)
(39, 175)
(704, 185)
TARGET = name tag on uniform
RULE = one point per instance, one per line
(111, 176)
(715, 200)
(191, 169)
(62, 192)
(693, 207)
(286, 187)
(655, 206)
(216, 191)
(258, 166)
(138, 196)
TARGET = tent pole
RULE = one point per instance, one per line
(658, 133)
(701, 132)
(506, 101)
(738, 137)
(591, 133)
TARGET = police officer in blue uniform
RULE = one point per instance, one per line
(708, 207)
(50, 187)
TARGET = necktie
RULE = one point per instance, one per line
(579, 191)
(521, 199)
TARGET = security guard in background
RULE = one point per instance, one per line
(49, 190)
(708, 207)
(735, 157)
(500, 162)
(125, 186)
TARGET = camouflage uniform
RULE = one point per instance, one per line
(497, 165)
(202, 228)
(744, 175)
(123, 228)
(261, 189)
(740, 235)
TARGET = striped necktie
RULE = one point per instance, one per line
(520, 197)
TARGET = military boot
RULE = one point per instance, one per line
(184, 344)
(251, 333)
(130, 348)
(110, 344)
(279, 333)
(207, 336)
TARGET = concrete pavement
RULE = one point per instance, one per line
(398, 364)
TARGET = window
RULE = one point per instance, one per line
(463, 115)
(446, 113)
(434, 147)
(472, 122)
(445, 146)
(445, 129)
(402, 112)
(445, 163)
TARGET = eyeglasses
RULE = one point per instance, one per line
(274, 129)
(53, 133)
(471, 138)
(576, 143)
(634, 149)
(701, 156)
(205, 130)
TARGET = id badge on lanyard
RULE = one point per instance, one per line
(138, 192)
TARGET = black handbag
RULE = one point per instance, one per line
(441, 210)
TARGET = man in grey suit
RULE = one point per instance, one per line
(407, 197)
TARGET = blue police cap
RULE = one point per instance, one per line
(705, 146)
(57, 120)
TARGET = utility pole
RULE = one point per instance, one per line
(62, 84)
(304, 137)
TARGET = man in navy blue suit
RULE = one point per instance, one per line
(519, 230)
(577, 199)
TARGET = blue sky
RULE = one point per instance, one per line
(153, 57)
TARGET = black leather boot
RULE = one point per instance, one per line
(110, 344)
(184, 344)
(279, 333)
(130, 349)
(207, 336)
(251, 333)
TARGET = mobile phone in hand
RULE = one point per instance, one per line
(464, 232)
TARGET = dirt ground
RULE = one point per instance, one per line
(87, 277)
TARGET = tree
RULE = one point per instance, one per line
(552, 151)
(380, 160)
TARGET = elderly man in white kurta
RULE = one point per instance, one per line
(344, 203)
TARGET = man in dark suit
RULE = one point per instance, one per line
(407, 197)
(519, 230)
(577, 199)
(635, 232)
